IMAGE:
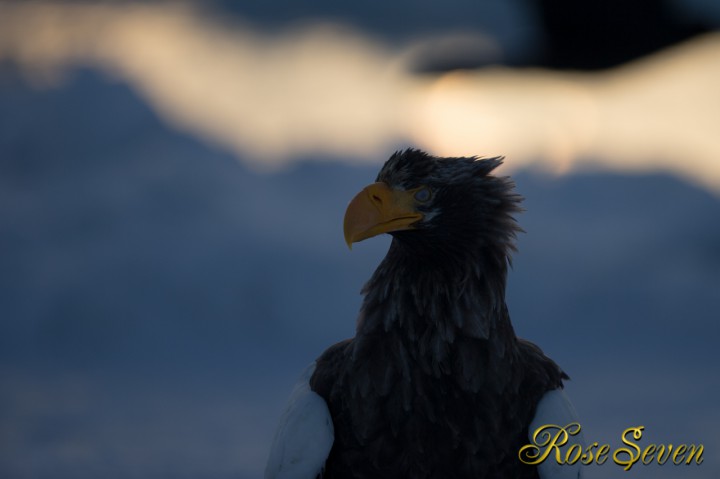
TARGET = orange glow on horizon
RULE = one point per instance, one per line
(331, 91)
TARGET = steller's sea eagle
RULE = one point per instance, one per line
(435, 384)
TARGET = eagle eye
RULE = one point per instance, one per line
(423, 194)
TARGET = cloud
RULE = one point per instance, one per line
(659, 113)
(326, 90)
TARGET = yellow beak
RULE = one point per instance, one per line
(379, 209)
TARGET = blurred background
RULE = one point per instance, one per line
(173, 178)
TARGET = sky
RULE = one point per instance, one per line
(173, 178)
(321, 88)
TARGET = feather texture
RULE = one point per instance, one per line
(304, 436)
(435, 383)
(556, 408)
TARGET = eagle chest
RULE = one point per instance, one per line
(399, 411)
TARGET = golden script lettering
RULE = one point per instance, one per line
(549, 441)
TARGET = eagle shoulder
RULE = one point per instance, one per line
(555, 408)
(304, 436)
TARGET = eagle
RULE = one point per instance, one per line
(435, 383)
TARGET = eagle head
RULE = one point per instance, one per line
(436, 205)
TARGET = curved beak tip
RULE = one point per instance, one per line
(378, 209)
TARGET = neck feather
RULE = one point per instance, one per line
(447, 293)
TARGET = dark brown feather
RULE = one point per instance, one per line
(435, 383)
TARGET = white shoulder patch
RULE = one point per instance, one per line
(304, 436)
(556, 408)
